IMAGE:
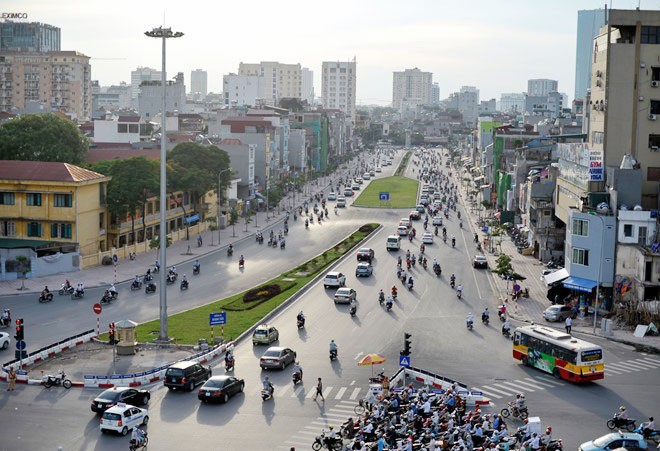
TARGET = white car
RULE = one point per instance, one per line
(4, 340)
(334, 279)
(332, 195)
(437, 221)
(122, 418)
(427, 238)
(402, 230)
(405, 222)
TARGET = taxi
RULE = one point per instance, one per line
(122, 418)
(265, 334)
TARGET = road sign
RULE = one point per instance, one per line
(97, 308)
(115, 259)
(404, 360)
(485, 229)
(20, 345)
(384, 196)
(218, 319)
(247, 203)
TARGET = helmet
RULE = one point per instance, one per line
(549, 429)
(526, 420)
(332, 341)
(622, 408)
(266, 378)
(184, 275)
(331, 427)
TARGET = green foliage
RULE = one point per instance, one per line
(213, 221)
(155, 243)
(42, 137)
(503, 265)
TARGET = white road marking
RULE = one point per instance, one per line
(608, 366)
(296, 393)
(618, 365)
(609, 370)
(543, 384)
(506, 393)
(507, 384)
(529, 384)
(492, 395)
(651, 361)
(550, 381)
(355, 393)
(644, 366)
(340, 393)
(280, 391)
(359, 354)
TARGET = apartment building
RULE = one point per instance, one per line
(52, 208)
(198, 83)
(411, 88)
(29, 37)
(139, 75)
(541, 87)
(624, 107)
(240, 90)
(589, 23)
(512, 102)
(150, 99)
(338, 82)
(276, 80)
(46, 81)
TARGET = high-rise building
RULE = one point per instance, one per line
(277, 80)
(198, 83)
(435, 94)
(541, 87)
(150, 101)
(29, 37)
(240, 90)
(338, 82)
(138, 76)
(588, 25)
(307, 85)
(35, 82)
(411, 88)
(512, 102)
(468, 104)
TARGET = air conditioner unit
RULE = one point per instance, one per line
(655, 148)
(652, 117)
(598, 83)
(599, 73)
(655, 83)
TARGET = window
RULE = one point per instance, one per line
(597, 137)
(641, 236)
(7, 228)
(34, 229)
(34, 199)
(133, 128)
(655, 106)
(60, 230)
(63, 200)
(655, 73)
(580, 227)
(6, 198)
(654, 142)
(122, 128)
(653, 174)
(650, 35)
(580, 256)
(627, 230)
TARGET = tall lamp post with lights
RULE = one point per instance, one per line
(164, 34)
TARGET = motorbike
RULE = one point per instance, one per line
(46, 297)
(388, 305)
(65, 290)
(320, 442)
(459, 294)
(150, 288)
(241, 263)
(5, 322)
(353, 310)
(506, 332)
(469, 325)
(378, 378)
(478, 246)
(229, 364)
(196, 270)
(107, 299)
(295, 378)
(171, 278)
(410, 286)
(621, 423)
(148, 278)
(425, 264)
(50, 380)
(267, 394)
(381, 298)
(485, 319)
(653, 435)
(156, 269)
(521, 413)
(500, 314)
(437, 269)
(230, 252)
(282, 244)
(300, 323)
(453, 242)
(333, 355)
(183, 285)
(306, 223)
(260, 238)
(136, 285)
(139, 446)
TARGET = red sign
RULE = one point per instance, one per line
(97, 309)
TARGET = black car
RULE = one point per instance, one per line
(365, 254)
(220, 388)
(186, 374)
(115, 395)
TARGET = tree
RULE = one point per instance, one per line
(42, 137)
(503, 265)
(233, 219)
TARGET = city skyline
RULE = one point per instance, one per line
(495, 49)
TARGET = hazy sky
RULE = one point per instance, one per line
(493, 45)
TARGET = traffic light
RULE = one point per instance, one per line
(111, 333)
(406, 344)
(20, 330)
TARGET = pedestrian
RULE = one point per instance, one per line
(569, 322)
(319, 390)
(12, 379)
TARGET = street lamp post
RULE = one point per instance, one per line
(220, 199)
(164, 34)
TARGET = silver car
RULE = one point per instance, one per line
(557, 312)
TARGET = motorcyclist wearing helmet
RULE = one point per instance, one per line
(621, 416)
(268, 386)
(485, 315)
(137, 437)
(333, 346)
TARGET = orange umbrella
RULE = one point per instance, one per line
(371, 360)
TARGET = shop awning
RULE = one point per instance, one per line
(555, 277)
(11, 243)
(579, 284)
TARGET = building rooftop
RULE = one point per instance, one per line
(45, 171)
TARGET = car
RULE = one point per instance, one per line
(393, 243)
(220, 389)
(372, 173)
(379, 169)
(480, 261)
(265, 334)
(365, 254)
(355, 187)
(345, 295)
(366, 176)
(615, 440)
(120, 395)
(405, 222)
(424, 200)
(277, 357)
(557, 312)
(341, 201)
(122, 418)
(437, 221)
(334, 279)
(415, 215)
(348, 192)
(402, 230)
(332, 195)
(358, 180)
(427, 238)
(4, 340)
(364, 269)
(186, 374)
(420, 208)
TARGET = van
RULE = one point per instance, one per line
(393, 243)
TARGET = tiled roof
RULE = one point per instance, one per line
(45, 171)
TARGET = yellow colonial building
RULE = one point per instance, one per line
(53, 213)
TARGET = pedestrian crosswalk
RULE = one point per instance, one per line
(349, 393)
(508, 389)
(631, 366)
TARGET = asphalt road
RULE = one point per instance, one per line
(431, 313)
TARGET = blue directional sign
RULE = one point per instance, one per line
(114, 258)
(485, 229)
(218, 319)
(384, 196)
(404, 360)
(20, 345)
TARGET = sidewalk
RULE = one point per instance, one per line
(531, 309)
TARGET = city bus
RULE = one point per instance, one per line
(558, 353)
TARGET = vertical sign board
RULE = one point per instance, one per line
(596, 166)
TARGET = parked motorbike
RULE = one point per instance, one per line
(150, 288)
(136, 285)
(46, 297)
(378, 378)
(50, 380)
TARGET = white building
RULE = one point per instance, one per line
(338, 82)
(512, 102)
(138, 76)
(411, 88)
(198, 83)
(541, 86)
(307, 90)
(120, 129)
(150, 100)
(240, 90)
(435, 94)
(276, 80)
(468, 104)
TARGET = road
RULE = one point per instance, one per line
(431, 313)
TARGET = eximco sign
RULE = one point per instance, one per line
(14, 16)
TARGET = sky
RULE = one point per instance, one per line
(493, 45)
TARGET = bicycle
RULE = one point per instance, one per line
(361, 406)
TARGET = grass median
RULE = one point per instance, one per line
(403, 193)
(244, 311)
